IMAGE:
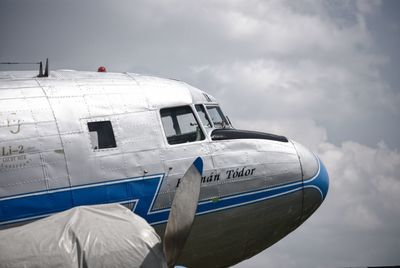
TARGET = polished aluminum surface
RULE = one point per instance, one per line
(253, 192)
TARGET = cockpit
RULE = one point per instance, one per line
(183, 124)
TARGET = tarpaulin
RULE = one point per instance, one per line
(88, 236)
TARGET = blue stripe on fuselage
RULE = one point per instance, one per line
(141, 191)
(39, 204)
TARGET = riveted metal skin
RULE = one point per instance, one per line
(254, 190)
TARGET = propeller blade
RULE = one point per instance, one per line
(182, 212)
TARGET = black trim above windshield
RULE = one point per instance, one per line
(232, 134)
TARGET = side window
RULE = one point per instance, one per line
(101, 135)
(203, 115)
(217, 117)
(180, 125)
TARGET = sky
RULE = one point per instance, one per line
(324, 73)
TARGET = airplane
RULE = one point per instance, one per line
(77, 138)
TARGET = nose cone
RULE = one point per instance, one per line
(314, 172)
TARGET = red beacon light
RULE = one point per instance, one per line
(101, 69)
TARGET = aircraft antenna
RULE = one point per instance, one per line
(46, 69)
(41, 74)
(40, 70)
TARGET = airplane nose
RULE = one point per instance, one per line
(315, 175)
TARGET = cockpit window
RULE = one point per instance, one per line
(217, 117)
(180, 125)
(203, 115)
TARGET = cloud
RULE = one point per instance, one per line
(373, 177)
(351, 101)
(299, 62)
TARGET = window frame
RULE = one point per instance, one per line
(229, 125)
(196, 117)
(206, 114)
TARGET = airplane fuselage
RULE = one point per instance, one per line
(83, 138)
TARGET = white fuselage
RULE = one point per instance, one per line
(82, 138)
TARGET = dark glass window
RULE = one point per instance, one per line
(180, 125)
(203, 115)
(217, 117)
(101, 135)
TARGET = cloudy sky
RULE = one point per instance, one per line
(325, 73)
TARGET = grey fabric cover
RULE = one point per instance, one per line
(88, 236)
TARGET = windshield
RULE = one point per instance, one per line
(203, 115)
(217, 117)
